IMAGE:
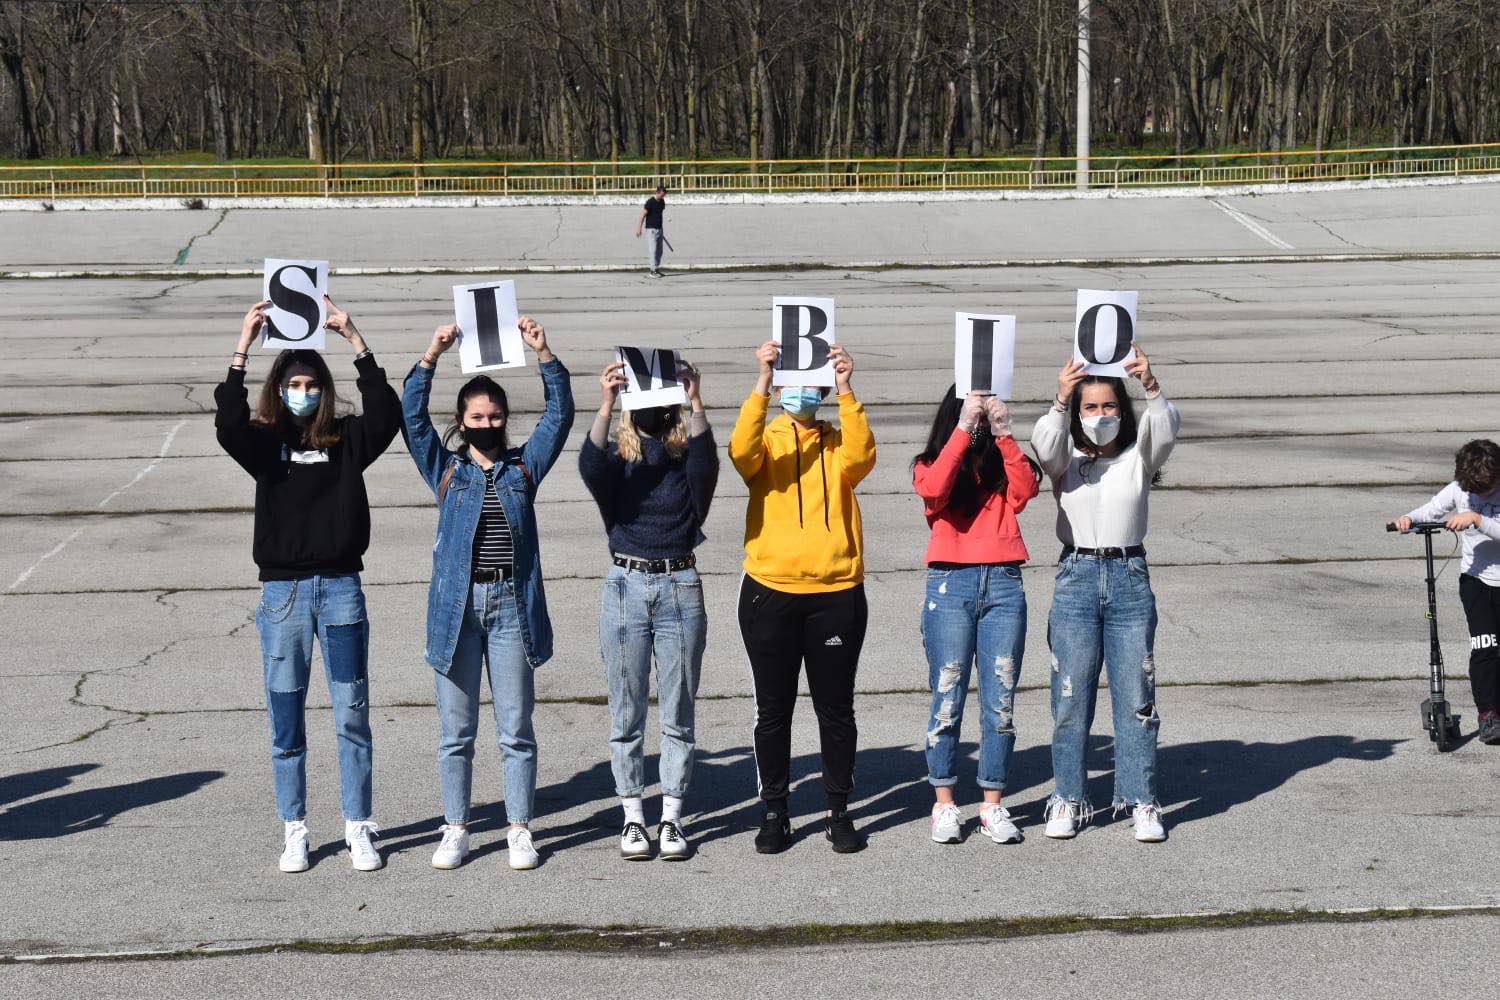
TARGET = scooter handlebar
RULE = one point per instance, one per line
(1418, 527)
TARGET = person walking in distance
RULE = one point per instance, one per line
(650, 221)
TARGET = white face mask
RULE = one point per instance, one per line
(1101, 430)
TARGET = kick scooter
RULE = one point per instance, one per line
(1440, 723)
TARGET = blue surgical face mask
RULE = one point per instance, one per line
(801, 401)
(300, 403)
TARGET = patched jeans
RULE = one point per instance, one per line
(973, 613)
(489, 638)
(291, 614)
(641, 616)
(1104, 613)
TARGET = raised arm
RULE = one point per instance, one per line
(1156, 434)
(702, 464)
(372, 431)
(934, 480)
(1051, 440)
(1021, 486)
(856, 444)
(232, 401)
(422, 440)
(599, 469)
(542, 450)
(747, 442)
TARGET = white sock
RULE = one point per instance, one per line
(634, 811)
(671, 809)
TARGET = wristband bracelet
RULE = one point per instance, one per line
(363, 354)
(240, 354)
(429, 360)
(1059, 404)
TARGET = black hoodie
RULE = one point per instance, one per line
(311, 512)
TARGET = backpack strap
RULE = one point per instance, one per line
(447, 476)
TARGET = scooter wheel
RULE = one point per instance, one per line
(1444, 736)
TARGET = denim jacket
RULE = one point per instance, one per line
(461, 504)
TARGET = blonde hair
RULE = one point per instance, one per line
(628, 439)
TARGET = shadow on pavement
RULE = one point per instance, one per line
(75, 812)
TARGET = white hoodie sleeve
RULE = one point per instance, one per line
(1440, 506)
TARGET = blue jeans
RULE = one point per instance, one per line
(1103, 611)
(973, 612)
(489, 637)
(291, 613)
(653, 248)
(642, 614)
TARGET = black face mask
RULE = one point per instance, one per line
(484, 438)
(652, 420)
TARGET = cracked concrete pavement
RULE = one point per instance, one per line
(1318, 400)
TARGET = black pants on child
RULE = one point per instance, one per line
(1482, 609)
(781, 631)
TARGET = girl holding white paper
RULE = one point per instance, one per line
(312, 527)
(653, 483)
(802, 598)
(486, 607)
(1103, 463)
(973, 480)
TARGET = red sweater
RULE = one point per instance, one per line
(992, 534)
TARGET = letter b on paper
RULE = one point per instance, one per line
(804, 330)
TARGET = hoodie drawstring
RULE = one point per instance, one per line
(821, 469)
(798, 439)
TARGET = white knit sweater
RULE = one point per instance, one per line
(1103, 502)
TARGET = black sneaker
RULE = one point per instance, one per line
(775, 833)
(1489, 730)
(842, 835)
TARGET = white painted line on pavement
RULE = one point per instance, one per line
(1251, 225)
(165, 445)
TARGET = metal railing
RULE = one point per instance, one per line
(787, 176)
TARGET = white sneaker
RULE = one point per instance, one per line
(995, 823)
(1062, 819)
(454, 848)
(294, 854)
(635, 843)
(674, 846)
(945, 823)
(361, 847)
(1148, 828)
(523, 857)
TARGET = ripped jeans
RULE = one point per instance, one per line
(1104, 613)
(973, 612)
(291, 613)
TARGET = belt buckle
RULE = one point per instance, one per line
(1113, 553)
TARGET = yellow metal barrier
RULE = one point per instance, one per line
(439, 179)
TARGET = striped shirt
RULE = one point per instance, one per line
(492, 543)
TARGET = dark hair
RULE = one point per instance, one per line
(982, 473)
(1476, 466)
(1128, 426)
(479, 385)
(323, 431)
(661, 189)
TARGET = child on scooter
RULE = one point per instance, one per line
(1470, 505)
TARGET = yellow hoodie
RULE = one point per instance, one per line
(802, 525)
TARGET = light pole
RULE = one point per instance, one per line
(1084, 15)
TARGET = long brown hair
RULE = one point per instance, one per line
(270, 410)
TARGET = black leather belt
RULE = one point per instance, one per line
(491, 575)
(655, 565)
(1129, 552)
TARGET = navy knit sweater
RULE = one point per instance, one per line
(654, 508)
